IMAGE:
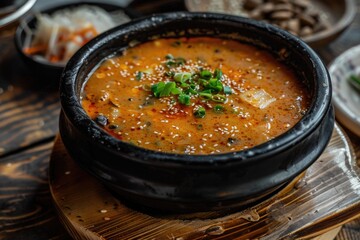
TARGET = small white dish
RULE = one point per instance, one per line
(346, 98)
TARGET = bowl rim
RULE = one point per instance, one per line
(49, 10)
(72, 108)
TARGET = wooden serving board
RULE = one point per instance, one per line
(326, 196)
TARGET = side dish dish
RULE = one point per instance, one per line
(196, 95)
(59, 35)
(302, 18)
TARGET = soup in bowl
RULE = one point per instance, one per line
(195, 112)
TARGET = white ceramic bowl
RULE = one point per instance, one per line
(346, 98)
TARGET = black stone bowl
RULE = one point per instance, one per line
(41, 70)
(192, 183)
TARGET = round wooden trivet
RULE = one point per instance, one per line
(327, 196)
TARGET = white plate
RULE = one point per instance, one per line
(346, 98)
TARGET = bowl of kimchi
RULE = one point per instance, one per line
(48, 38)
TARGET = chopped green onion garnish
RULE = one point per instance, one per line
(218, 98)
(215, 85)
(203, 84)
(200, 112)
(182, 77)
(184, 99)
(190, 90)
(205, 95)
(218, 109)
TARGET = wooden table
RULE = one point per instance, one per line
(28, 126)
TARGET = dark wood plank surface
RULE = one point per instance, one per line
(26, 209)
(29, 123)
(29, 113)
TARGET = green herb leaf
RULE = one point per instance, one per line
(169, 86)
(200, 112)
(157, 88)
(176, 91)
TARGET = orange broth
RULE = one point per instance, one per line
(254, 100)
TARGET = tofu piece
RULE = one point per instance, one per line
(257, 97)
